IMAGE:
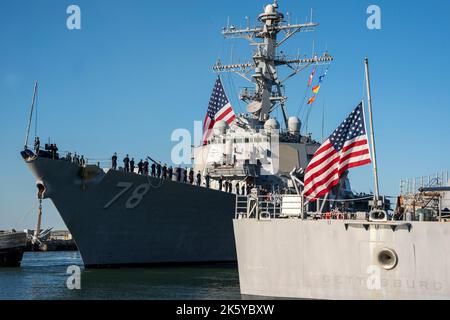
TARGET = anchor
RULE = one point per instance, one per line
(36, 242)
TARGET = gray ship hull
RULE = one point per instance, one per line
(290, 258)
(125, 219)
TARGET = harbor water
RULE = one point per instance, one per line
(44, 276)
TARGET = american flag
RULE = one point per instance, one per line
(346, 148)
(219, 108)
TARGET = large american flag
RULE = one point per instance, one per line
(346, 148)
(219, 108)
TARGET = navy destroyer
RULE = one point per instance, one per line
(125, 218)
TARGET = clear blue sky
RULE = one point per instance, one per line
(140, 69)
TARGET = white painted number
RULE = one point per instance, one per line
(136, 197)
(126, 186)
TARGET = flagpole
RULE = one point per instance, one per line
(372, 134)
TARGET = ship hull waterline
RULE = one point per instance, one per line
(120, 219)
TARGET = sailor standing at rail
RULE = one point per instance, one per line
(146, 167)
(227, 184)
(249, 188)
(132, 165)
(207, 180)
(126, 163)
(82, 161)
(37, 145)
(170, 172)
(54, 150)
(114, 161)
(191, 176)
(158, 170)
(199, 179)
(140, 167)
(153, 169)
(75, 159)
(164, 171)
(178, 173)
(185, 175)
(220, 183)
(237, 187)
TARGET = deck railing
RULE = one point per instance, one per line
(412, 185)
(261, 207)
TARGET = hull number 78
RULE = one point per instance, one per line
(136, 197)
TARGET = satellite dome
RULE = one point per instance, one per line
(269, 9)
(271, 124)
(294, 125)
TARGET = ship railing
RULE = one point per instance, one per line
(413, 185)
(262, 207)
(246, 170)
(101, 163)
(69, 156)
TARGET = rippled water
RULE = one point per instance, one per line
(43, 276)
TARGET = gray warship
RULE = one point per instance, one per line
(289, 254)
(120, 218)
(285, 249)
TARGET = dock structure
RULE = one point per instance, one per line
(51, 240)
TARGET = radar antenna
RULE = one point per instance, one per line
(262, 71)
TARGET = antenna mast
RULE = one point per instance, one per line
(268, 93)
(31, 114)
(372, 135)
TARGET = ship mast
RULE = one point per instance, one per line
(372, 136)
(33, 102)
(268, 93)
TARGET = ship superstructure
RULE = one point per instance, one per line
(256, 149)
